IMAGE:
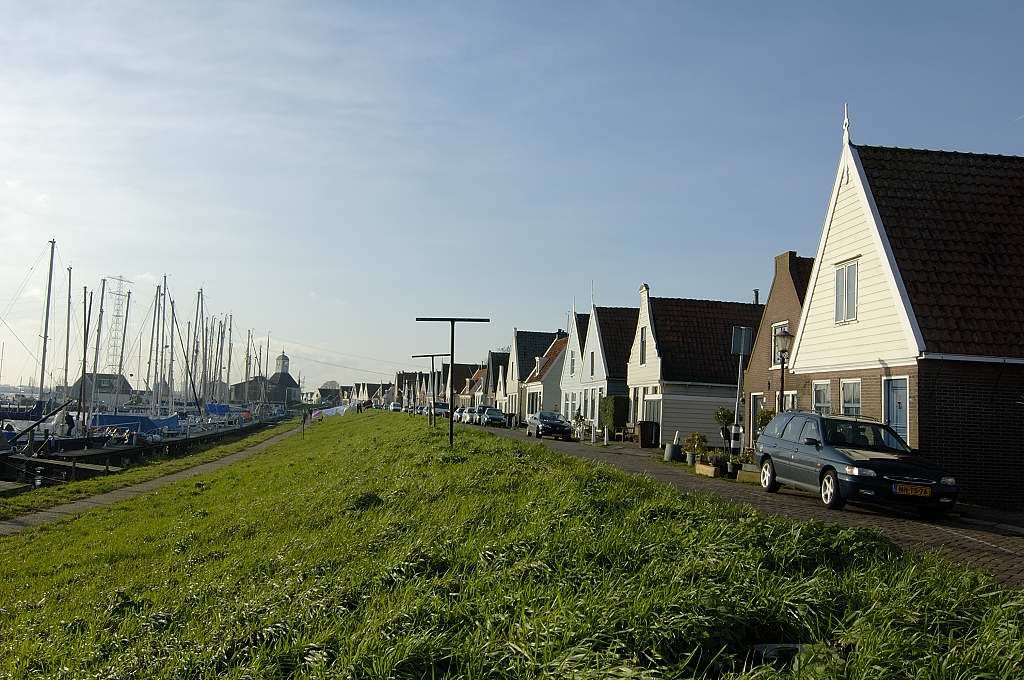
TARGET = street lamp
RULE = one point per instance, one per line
(451, 390)
(783, 343)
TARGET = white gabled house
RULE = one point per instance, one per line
(542, 392)
(914, 312)
(681, 369)
(598, 367)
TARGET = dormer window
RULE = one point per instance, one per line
(643, 345)
(846, 291)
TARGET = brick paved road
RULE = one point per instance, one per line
(998, 551)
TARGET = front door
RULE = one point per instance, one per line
(896, 405)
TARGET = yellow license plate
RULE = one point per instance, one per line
(912, 490)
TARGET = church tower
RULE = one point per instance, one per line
(282, 363)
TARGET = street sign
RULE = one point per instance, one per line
(742, 339)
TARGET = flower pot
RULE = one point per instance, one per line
(691, 458)
(706, 470)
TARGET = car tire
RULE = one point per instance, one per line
(768, 481)
(831, 496)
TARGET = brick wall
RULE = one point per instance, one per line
(783, 305)
(870, 393)
(972, 423)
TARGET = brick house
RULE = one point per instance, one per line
(782, 310)
(915, 314)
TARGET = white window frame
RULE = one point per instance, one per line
(842, 396)
(775, 355)
(842, 274)
(751, 425)
(572, 362)
(643, 345)
(591, 364)
(828, 394)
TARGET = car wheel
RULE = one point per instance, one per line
(830, 494)
(768, 482)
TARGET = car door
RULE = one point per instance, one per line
(806, 459)
(785, 456)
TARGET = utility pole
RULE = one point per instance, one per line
(452, 320)
(46, 322)
(120, 361)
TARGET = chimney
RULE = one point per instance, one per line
(756, 296)
(537, 359)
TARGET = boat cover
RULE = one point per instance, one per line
(217, 409)
(135, 423)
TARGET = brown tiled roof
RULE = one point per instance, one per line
(694, 337)
(548, 359)
(616, 327)
(530, 345)
(582, 324)
(956, 225)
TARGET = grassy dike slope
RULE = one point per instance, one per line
(49, 496)
(367, 550)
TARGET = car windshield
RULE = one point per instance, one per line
(549, 416)
(863, 435)
(493, 412)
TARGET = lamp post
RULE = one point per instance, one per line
(451, 390)
(432, 417)
(783, 342)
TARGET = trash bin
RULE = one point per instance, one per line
(648, 433)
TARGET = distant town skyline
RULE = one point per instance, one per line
(328, 172)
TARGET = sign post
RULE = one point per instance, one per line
(742, 339)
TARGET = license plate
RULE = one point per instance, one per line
(911, 490)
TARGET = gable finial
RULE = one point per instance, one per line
(846, 124)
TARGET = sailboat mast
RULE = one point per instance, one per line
(96, 355)
(120, 360)
(170, 372)
(46, 322)
(231, 320)
(67, 339)
(245, 388)
(149, 361)
(161, 383)
(86, 317)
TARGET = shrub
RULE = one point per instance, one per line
(724, 416)
(614, 410)
(695, 442)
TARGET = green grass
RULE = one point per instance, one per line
(367, 550)
(50, 496)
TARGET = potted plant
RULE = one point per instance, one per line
(732, 464)
(695, 444)
(747, 460)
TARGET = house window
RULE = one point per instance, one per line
(789, 401)
(593, 403)
(851, 397)
(572, 363)
(846, 292)
(591, 364)
(823, 397)
(643, 345)
(776, 357)
(636, 400)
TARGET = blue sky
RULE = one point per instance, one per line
(329, 171)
